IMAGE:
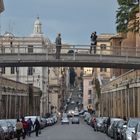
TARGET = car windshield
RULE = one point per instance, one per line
(132, 123)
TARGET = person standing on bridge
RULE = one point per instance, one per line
(93, 38)
(58, 45)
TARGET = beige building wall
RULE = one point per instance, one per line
(17, 99)
(87, 91)
(120, 97)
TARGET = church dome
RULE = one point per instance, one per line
(37, 22)
(37, 32)
(8, 34)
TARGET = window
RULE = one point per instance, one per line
(3, 70)
(103, 46)
(30, 48)
(11, 47)
(12, 70)
(2, 49)
(90, 83)
(30, 70)
(89, 92)
(103, 69)
(89, 101)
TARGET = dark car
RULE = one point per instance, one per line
(75, 120)
(118, 128)
(112, 126)
(2, 136)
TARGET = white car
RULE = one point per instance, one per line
(72, 102)
(136, 132)
(65, 120)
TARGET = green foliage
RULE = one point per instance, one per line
(126, 14)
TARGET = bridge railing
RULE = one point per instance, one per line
(72, 50)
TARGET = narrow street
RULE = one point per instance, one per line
(69, 132)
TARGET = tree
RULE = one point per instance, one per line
(126, 18)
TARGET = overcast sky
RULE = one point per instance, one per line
(74, 19)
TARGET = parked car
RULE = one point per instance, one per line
(112, 125)
(132, 122)
(75, 120)
(2, 135)
(136, 132)
(65, 120)
(104, 125)
(5, 128)
(11, 129)
(86, 116)
(49, 122)
(117, 129)
(99, 123)
(13, 121)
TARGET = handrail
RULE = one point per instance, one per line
(77, 49)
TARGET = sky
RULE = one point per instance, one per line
(74, 19)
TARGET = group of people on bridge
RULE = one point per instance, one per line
(58, 43)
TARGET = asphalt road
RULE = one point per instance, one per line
(69, 132)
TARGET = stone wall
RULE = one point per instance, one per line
(121, 97)
(15, 100)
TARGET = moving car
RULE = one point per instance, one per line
(65, 120)
(75, 120)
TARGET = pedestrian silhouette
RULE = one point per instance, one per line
(93, 38)
(19, 128)
(37, 126)
(58, 45)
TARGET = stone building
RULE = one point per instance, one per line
(18, 99)
(45, 78)
(121, 96)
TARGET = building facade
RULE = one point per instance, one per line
(121, 96)
(18, 99)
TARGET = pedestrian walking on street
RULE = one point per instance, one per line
(37, 126)
(58, 45)
(19, 128)
(93, 38)
(30, 126)
(25, 128)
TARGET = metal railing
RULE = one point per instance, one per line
(72, 49)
